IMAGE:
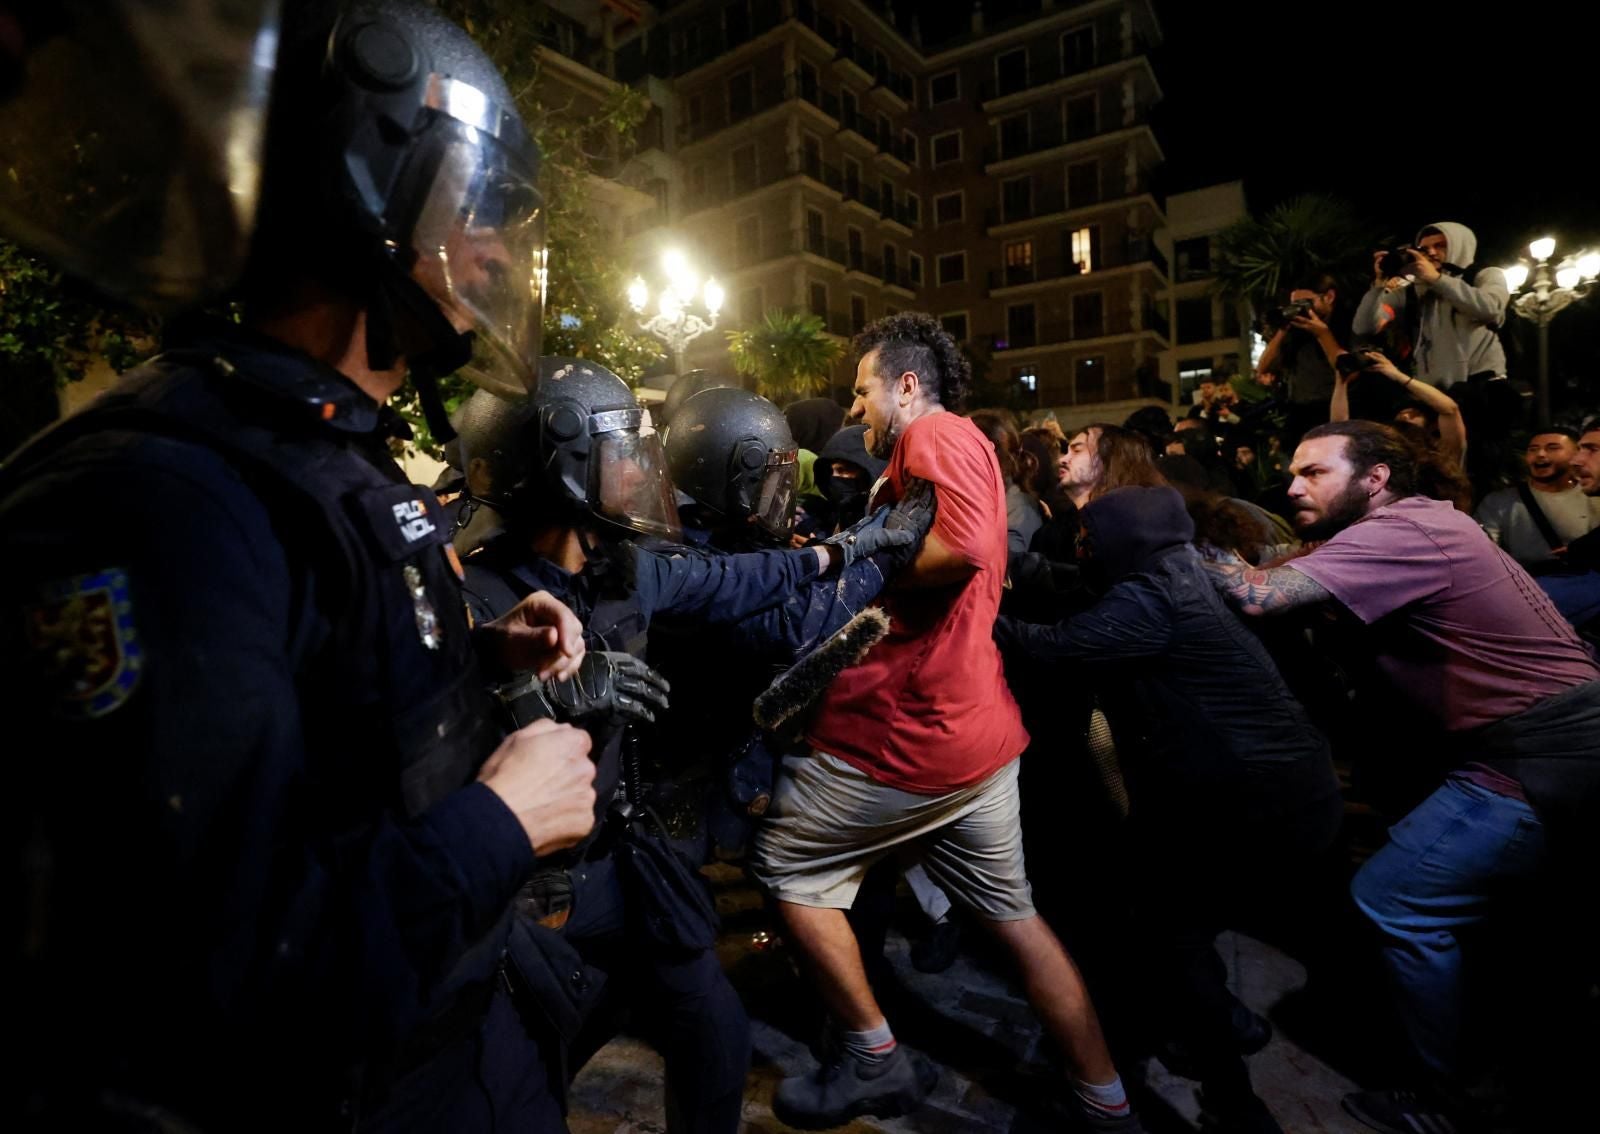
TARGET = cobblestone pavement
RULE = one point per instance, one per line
(996, 1074)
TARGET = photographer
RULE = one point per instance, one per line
(1429, 407)
(1450, 312)
(1302, 349)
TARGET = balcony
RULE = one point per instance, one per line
(1052, 134)
(820, 171)
(863, 195)
(860, 124)
(1129, 252)
(1052, 202)
(1044, 71)
(1065, 331)
(775, 92)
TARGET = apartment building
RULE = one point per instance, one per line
(825, 155)
(1211, 335)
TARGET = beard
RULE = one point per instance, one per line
(881, 445)
(1344, 510)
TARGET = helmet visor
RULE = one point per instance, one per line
(632, 487)
(774, 506)
(480, 252)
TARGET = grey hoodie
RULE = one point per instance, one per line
(1455, 328)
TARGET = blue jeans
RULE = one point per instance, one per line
(1459, 855)
(1577, 597)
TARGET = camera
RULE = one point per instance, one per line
(1396, 263)
(1280, 317)
(1353, 362)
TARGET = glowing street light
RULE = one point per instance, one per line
(1542, 291)
(674, 323)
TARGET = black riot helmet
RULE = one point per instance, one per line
(399, 173)
(580, 451)
(732, 451)
(684, 387)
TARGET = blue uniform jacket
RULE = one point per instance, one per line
(239, 892)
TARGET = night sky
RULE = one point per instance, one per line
(1415, 116)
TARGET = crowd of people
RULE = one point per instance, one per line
(367, 806)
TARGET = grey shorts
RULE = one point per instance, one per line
(830, 822)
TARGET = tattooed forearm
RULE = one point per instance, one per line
(1266, 590)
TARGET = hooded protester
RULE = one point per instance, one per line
(812, 421)
(1451, 312)
(1232, 789)
(845, 473)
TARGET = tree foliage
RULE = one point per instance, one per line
(787, 353)
(1260, 259)
(51, 332)
(585, 315)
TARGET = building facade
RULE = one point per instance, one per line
(1210, 335)
(820, 155)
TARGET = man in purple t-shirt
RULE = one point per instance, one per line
(1463, 632)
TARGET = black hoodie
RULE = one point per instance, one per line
(1206, 726)
(847, 501)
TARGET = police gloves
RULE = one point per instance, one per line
(609, 688)
(896, 531)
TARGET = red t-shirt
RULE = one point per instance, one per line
(928, 709)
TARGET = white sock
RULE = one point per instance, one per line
(1107, 1098)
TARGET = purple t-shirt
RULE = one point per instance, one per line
(1457, 625)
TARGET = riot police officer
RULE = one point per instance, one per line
(271, 846)
(575, 475)
(733, 457)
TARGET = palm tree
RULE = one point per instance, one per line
(788, 354)
(1260, 259)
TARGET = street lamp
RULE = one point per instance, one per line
(673, 322)
(1542, 290)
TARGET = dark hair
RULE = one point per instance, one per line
(914, 341)
(1560, 430)
(1125, 460)
(1044, 449)
(1368, 444)
(996, 426)
(1153, 423)
(1319, 282)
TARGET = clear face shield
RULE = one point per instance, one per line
(479, 240)
(774, 503)
(628, 469)
(132, 134)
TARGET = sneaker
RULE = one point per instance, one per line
(937, 951)
(1405, 1112)
(848, 1087)
(1102, 1123)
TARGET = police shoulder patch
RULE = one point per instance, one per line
(83, 638)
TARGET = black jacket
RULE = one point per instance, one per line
(1200, 714)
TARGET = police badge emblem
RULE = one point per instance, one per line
(82, 633)
(427, 618)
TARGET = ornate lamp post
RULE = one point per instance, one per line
(673, 322)
(1540, 291)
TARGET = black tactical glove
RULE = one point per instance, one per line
(897, 531)
(609, 688)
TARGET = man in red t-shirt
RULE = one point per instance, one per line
(915, 751)
(1460, 629)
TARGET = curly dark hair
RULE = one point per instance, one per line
(1367, 443)
(914, 341)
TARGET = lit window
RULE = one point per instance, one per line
(1082, 254)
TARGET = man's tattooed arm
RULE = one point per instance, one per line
(1262, 590)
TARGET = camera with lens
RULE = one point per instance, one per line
(1396, 263)
(1280, 317)
(1353, 362)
